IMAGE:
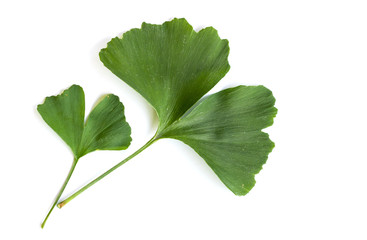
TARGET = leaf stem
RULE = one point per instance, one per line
(61, 204)
(61, 191)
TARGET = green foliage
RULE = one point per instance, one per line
(105, 128)
(65, 115)
(225, 130)
(172, 67)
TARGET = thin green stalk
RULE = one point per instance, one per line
(61, 191)
(61, 204)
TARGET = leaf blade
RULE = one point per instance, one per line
(170, 65)
(106, 127)
(225, 130)
(64, 113)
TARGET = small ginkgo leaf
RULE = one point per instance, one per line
(170, 65)
(105, 128)
(225, 130)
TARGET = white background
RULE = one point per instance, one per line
(311, 54)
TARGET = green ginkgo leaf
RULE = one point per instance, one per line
(225, 130)
(173, 67)
(170, 65)
(105, 128)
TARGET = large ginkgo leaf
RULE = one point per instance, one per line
(225, 130)
(170, 65)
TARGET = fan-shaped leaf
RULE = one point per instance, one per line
(225, 130)
(105, 129)
(170, 65)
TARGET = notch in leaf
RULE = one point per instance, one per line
(173, 67)
(105, 128)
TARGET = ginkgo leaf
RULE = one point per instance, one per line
(225, 130)
(170, 65)
(173, 66)
(105, 128)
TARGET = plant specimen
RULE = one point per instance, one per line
(105, 128)
(173, 67)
